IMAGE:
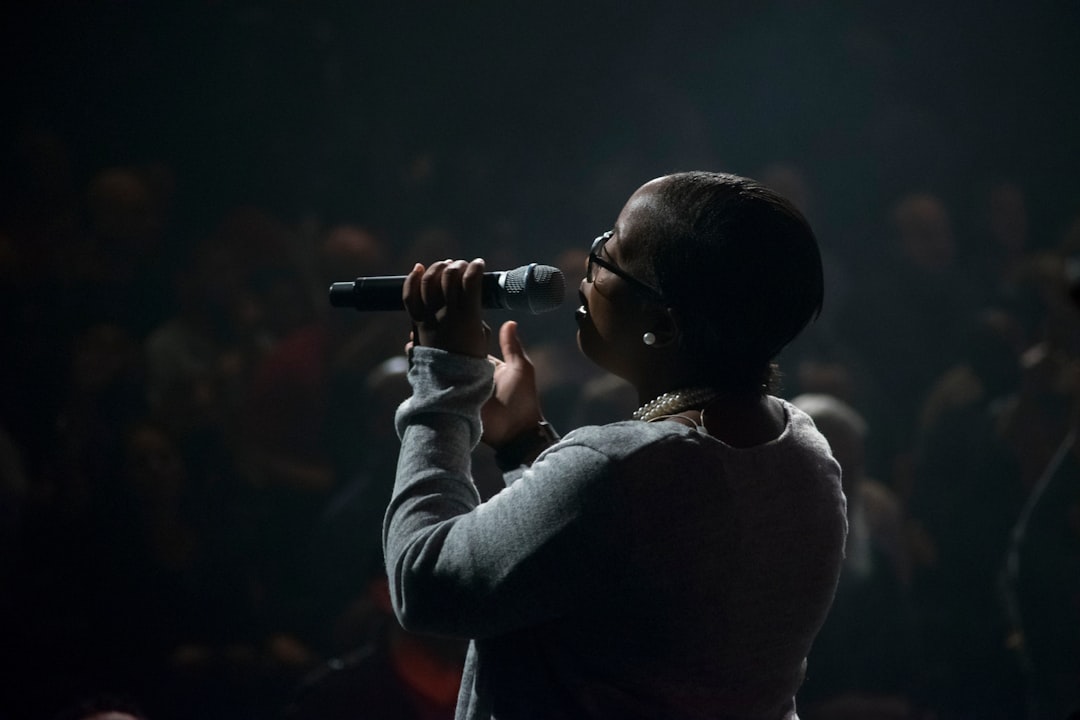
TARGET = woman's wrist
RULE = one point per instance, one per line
(524, 448)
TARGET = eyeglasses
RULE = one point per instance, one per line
(595, 259)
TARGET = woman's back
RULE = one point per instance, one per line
(710, 570)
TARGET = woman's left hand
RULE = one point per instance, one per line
(514, 405)
(443, 301)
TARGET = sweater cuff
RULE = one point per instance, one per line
(449, 384)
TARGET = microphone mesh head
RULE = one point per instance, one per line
(536, 288)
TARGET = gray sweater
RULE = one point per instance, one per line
(635, 570)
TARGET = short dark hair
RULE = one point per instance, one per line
(100, 703)
(739, 264)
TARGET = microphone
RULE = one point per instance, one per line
(533, 288)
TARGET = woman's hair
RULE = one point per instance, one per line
(100, 704)
(741, 267)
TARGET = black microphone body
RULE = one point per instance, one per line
(533, 288)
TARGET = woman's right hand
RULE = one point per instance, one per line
(514, 406)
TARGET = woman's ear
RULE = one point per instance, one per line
(666, 328)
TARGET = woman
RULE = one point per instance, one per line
(676, 565)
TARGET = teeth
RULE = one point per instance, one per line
(581, 310)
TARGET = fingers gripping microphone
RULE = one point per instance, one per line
(532, 288)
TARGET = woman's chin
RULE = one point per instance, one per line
(589, 347)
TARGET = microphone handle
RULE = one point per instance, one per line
(383, 292)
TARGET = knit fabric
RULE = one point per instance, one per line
(635, 570)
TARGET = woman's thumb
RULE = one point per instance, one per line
(510, 344)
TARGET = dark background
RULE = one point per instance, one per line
(311, 107)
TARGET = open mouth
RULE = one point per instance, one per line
(583, 309)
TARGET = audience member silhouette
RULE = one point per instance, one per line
(966, 494)
(1040, 572)
(906, 317)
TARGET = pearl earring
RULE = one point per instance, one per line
(648, 338)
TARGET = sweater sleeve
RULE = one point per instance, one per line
(456, 566)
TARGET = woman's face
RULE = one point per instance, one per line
(610, 319)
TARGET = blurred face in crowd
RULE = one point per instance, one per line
(924, 232)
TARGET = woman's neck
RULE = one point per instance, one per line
(744, 421)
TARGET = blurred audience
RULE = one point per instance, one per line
(865, 650)
(396, 675)
(196, 451)
(906, 317)
(14, 490)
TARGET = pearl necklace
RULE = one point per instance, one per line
(672, 403)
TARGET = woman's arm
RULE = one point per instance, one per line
(457, 567)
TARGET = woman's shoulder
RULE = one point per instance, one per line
(627, 437)
(623, 430)
(800, 427)
(624, 438)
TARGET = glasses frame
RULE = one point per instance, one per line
(652, 294)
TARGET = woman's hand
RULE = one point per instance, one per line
(514, 406)
(444, 304)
